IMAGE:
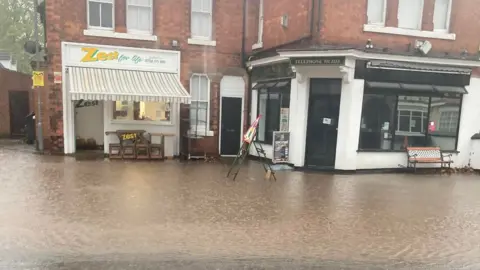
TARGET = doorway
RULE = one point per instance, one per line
(19, 109)
(322, 125)
(231, 130)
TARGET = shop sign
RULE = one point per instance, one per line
(86, 103)
(318, 61)
(281, 145)
(276, 71)
(284, 119)
(38, 78)
(94, 54)
(57, 77)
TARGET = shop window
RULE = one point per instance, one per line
(100, 14)
(273, 106)
(139, 16)
(201, 20)
(441, 15)
(393, 122)
(141, 111)
(410, 13)
(376, 12)
(200, 105)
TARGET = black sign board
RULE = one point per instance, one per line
(281, 146)
(318, 61)
(275, 71)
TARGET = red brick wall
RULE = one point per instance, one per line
(343, 24)
(11, 81)
(66, 20)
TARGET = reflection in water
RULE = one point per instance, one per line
(54, 206)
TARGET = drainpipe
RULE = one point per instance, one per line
(244, 62)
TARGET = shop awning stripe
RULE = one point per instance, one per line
(125, 85)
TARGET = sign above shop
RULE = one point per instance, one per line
(91, 55)
(318, 61)
(275, 71)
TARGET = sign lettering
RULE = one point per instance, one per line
(92, 54)
(129, 136)
(86, 103)
(326, 61)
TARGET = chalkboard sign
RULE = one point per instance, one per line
(281, 141)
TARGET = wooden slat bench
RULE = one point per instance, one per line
(427, 155)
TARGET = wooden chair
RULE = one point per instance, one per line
(115, 151)
(157, 150)
(142, 148)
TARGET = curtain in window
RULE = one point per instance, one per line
(201, 21)
(139, 15)
(440, 16)
(410, 14)
(376, 11)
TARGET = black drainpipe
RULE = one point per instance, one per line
(244, 62)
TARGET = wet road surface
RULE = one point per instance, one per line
(60, 213)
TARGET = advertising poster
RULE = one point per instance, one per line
(281, 141)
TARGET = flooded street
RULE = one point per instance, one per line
(60, 213)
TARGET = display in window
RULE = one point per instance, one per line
(142, 111)
(284, 119)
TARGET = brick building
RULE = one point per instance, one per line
(355, 82)
(16, 102)
(201, 45)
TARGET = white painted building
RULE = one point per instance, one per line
(354, 110)
(110, 88)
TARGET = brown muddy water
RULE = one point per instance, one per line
(60, 213)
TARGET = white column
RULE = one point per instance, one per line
(299, 93)
(349, 124)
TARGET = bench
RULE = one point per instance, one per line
(427, 155)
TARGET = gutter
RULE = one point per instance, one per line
(244, 64)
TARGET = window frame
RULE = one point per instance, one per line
(384, 16)
(396, 116)
(269, 91)
(143, 122)
(201, 128)
(137, 31)
(420, 22)
(210, 32)
(449, 15)
(100, 27)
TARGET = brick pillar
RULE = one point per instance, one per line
(121, 16)
(427, 18)
(392, 13)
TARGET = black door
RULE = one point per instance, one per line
(231, 125)
(322, 127)
(19, 109)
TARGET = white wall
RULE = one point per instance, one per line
(171, 143)
(89, 123)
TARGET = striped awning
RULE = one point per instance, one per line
(125, 85)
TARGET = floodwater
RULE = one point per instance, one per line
(61, 213)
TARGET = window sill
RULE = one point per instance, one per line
(202, 42)
(398, 151)
(141, 122)
(111, 34)
(258, 45)
(408, 32)
(201, 133)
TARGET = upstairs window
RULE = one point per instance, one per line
(260, 22)
(201, 20)
(376, 12)
(100, 14)
(441, 15)
(139, 16)
(410, 13)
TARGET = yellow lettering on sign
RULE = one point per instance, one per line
(92, 54)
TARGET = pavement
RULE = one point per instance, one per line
(63, 213)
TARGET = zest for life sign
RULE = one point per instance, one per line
(94, 54)
(38, 78)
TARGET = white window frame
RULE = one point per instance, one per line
(449, 15)
(136, 31)
(420, 22)
(424, 115)
(113, 15)
(259, 43)
(455, 120)
(384, 14)
(210, 35)
(201, 129)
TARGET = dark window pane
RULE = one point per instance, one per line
(273, 116)
(377, 124)
(443, 122)
(94, 13)
(107, 18)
